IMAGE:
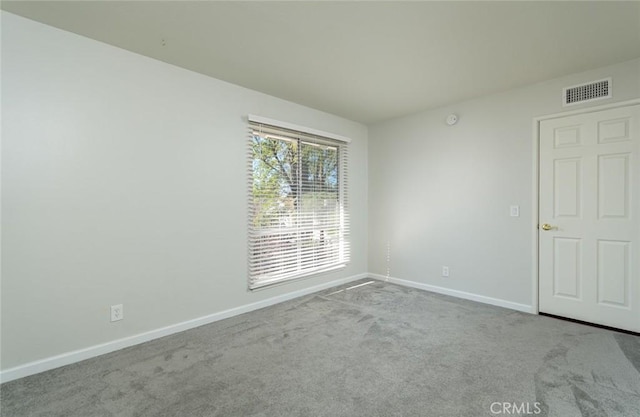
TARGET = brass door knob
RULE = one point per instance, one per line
(546, 226)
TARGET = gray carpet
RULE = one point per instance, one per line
(374, 350)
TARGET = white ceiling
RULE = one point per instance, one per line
(365, 61)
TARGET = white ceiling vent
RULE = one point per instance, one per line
(583, 93)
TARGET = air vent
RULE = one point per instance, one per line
(583, 93)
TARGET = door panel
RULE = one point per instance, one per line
(613, 130)
(567, 137)
(613, 273)
(613, 186)
(566, 191)
(567, 257)
(589, 262)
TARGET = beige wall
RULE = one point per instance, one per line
(440, 195)
(124, 181)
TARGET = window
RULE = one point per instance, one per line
(298, 223)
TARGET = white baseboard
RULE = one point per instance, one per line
(68, 358)
(456, 293)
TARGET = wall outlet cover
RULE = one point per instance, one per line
(117, 312)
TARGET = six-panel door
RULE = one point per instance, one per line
(589, 261)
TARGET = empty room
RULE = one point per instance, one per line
(320, 208)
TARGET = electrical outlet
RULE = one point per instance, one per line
(117, 312)
(445, 271)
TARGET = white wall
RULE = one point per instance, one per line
(124, 181)
(440, 195)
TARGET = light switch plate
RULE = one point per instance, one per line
(514, 211)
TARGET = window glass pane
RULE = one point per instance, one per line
(297, 221)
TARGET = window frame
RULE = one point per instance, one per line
(256, 248)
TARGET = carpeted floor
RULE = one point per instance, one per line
(374, 350)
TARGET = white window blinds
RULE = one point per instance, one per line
(298, 223)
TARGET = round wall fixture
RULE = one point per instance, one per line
(452, 119)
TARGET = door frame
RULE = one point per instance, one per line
(535, 276)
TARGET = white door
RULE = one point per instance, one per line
(589, 261)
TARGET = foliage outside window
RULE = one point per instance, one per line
(297, 205)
